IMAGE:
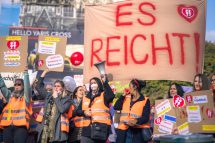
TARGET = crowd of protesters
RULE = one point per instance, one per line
(75, 115)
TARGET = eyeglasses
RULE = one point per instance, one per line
(17, 84)
(212, 80)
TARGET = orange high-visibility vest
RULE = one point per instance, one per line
(39, 117)
(64, 120)
(130, 114)
(100, 113)
(16, 113)
(64, 123)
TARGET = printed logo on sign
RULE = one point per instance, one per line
(178, 101)
(13, 45)
(209, 113)
(200, 99)
(189, 13)
(40, 63)
(158, 120)
(189, 98)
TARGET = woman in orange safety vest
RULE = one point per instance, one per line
(135, 112)
(16, 114)
(95, 109)
(76, 123)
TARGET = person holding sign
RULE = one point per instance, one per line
(55, 122)
(200, 82)
(95, 109)
(175, 89)
(135, 112)
(213, 84)
(16, 114)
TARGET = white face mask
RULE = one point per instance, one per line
(94, 86)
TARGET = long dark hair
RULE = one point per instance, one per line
(179, 89)
(205, 81)
(139, 84)
(100, 85)
(74, 96)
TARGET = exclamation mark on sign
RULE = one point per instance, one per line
(197, 44)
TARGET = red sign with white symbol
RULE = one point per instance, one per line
(40, 63)
(209, 113)
(189, 98)
(13, 45)
(178, 101)
(158, 120)
(189, 13)
(76, 58)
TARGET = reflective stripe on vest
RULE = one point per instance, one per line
(64, 123)
(130, 114)
(99, 112)
(16, 112)
(81, 121)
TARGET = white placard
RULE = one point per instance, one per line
(193, 113)
(166, 127)
(200, 99)
(54, 61)
(163, 107)
(47, 47)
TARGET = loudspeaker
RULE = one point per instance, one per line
(101, 67)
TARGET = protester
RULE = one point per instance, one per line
(95, 108)
(55, 122)
(200, 82)
(175, 89)
(135, 112)
(213, 84)
(77, 121)
(16, 114)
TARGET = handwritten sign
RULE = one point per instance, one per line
(51, 51)
(150, 39)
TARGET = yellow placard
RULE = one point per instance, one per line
(185, 125)
(52, 39)
(208, 127)
(13, 38)
(193, 108)
(47, 43)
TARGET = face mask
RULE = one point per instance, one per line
(94, 87)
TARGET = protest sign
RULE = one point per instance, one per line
(146, 39)
(51, 52)
(198, 113)
(165, 117)
(13, 53)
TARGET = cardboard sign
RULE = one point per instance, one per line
(198, 113)
(165, 117)
(132, 36)
(51, 51)
(13, 53)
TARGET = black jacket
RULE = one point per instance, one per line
(108, 98)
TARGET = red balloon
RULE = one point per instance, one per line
(76, 58)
